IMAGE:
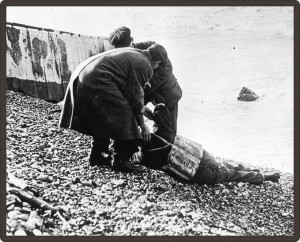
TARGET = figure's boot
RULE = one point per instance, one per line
(274, 176)
(124, 150)
(96, 157)
(126, 166)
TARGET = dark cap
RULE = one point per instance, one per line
(120, 37)
(158, 53)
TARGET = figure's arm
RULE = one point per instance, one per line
(135, 96)
(151, 95)
(148, 113)
(143, 45)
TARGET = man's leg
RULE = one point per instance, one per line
(211, 172)
(174, 115)
(99, 146)
(124, 150)
(237, 167)
(238, 173)
(229, 175)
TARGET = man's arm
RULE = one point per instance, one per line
(135, 96)
(143, 45)
(151, 95)
(148, 113)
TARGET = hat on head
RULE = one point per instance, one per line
(158, 53)
(120, 37)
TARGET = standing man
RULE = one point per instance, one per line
(163, 92)
(105, 99)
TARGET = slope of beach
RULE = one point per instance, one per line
(45, 162)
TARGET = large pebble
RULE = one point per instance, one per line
(98, 231)
(14, 214)
(12, 223)
(55, 160)
(121, 204)
(43, 177)
(23, 216)
(36, 218)
(30, 224)
(12, 197)
(73, 221)
(25, 204)
(26, 210)
(37, 232)
(10, 207)
(20, 232)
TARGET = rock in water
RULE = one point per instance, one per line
(247, 95)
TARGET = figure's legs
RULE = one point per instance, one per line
(229, 175)
(124, 150)
(274, 176)
(163, 125)
(238, 167)
(99, 146)
(211, 172)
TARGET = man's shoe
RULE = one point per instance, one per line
(126, 166)
(274, 176)
(99, 160)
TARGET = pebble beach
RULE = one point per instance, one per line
(51, 165)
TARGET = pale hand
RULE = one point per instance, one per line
(145, 131)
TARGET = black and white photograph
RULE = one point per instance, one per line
(149, 120)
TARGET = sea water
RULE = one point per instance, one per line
(215, 53)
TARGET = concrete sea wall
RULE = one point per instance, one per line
(39, 61)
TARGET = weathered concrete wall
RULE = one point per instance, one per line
(39, 62)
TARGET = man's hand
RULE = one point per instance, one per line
(145, 131)
(148, 113)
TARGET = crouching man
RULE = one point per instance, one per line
(105, 99)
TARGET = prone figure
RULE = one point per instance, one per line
(187, 161)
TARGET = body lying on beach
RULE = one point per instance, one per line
(187, 161)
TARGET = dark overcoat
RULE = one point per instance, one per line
(163, 82)
(105, 97)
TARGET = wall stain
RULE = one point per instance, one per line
(37, 53)
(52, 45)
(42, 53)
(13, 36)
(44, 47)
(56, 68)
(64, 58)
(49, 63)
(28, 44)
(54, 50)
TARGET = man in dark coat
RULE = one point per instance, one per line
(164, 91)
(105, 99)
